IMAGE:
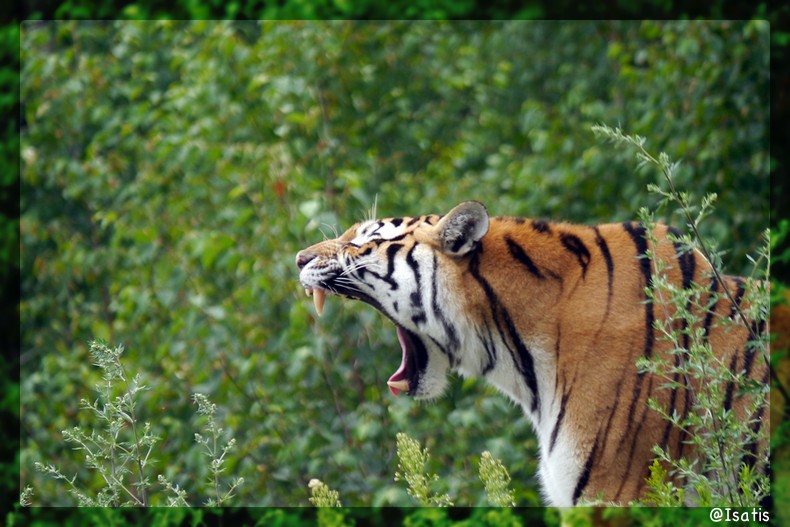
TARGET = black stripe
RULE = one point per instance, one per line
(443, 349)
(490, 349)
(607, 256)
(751, 347)
(687, 265)
(682, 433)
(381, 241)
(741, 285)
(640, 378)
(525, 364)
(363, 271)
(379, 225)
(415, 267)
(449, 328)
(756, 426)
(685, 258)
(517, 252)
(714, 289)
(557, 344)
(560, 417)
(637, 232)
(612, 412)
(711, 308)
(395, 222)
(760, 328)
(748, 357)
(607, 428)
(672, 399)
(573, 244)
(416, 298)
(634, 437)
(419, 317)
(584, 477)
(751, 448)
(419, 352)
(542, 226)
(392, 250)
(748, 351)
(397, 238)
(731, 383)
(638, 235)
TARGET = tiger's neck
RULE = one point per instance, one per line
(525, 280)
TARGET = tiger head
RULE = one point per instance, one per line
(410, 269)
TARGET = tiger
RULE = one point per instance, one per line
(554, 315)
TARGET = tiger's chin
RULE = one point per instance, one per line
(431, 388)
(421, 374)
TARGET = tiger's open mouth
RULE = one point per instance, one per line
(414, 355)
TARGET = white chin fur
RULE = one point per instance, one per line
(434, 382)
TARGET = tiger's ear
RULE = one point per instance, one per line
(460, 230)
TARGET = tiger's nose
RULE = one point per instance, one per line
(303, 258)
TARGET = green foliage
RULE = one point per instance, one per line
(412, 459)
(494, 476)
(26, 496)
(718, 474)
(171, 170)
(9, 258)
(662, 491)
(120, 462)
(411, 469)
(393, 9)
(214, 452)
(121, 453)
(329, 501)
(323, 496)
(479, 517)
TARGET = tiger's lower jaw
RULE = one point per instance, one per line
(415, 376)
(410, 378)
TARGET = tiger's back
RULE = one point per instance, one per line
(555, 315)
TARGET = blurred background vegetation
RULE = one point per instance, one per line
(171, 170)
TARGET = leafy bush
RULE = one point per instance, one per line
(412, 461)
(171, 170)
(411, 469)
(121, 453)
(719, 474)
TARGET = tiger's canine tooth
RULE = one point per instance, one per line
(318, 300)
(308, 292)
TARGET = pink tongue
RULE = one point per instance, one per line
(401, 373)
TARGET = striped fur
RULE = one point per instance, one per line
(552, 314)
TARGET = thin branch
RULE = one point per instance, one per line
(753, 337)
